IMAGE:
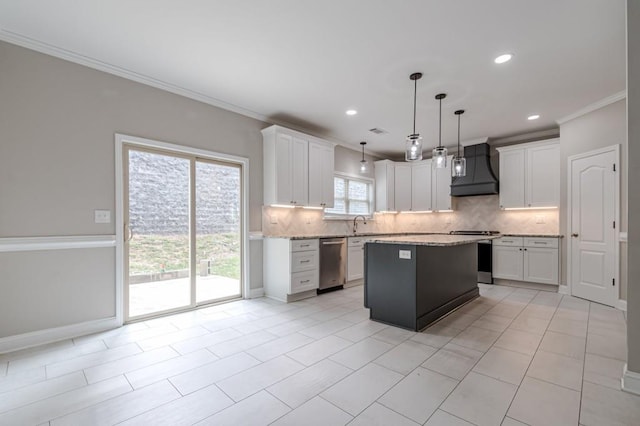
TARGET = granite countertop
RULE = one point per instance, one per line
(433, 239)
(532, 235)
(358, 235)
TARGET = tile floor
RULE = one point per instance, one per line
(510, 357)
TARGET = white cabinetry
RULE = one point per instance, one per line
(530, 175)
(320, 175)
(298, 168)
(355, 258)
(290, 268)
(385, 185)
(527, 259)
(441, 187)
(421, 186)
(403, 187)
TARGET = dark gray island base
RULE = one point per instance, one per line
(411, 282)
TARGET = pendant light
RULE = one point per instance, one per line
(364, 166)
(413, 145)
(459, 163)
(439, 160)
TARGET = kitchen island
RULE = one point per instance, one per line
(413, 280)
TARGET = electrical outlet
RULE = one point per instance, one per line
(102, 216)
(273, 220)
(404, 254)
(540, 219)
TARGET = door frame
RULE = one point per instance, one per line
(616, 215)
(243, 162)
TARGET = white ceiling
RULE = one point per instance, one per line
(304, 63)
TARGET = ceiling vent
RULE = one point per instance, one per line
(378, 131)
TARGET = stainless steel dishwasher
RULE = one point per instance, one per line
(333, 263)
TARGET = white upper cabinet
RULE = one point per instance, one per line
(403, 188)
(441, 192)
(421, 186)
(385, 185)
(320, 174)
(298, 168)
(530, 175)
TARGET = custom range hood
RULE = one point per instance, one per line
(479, 179)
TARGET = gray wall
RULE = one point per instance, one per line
(348, 161)
(598, 129)
(633, 90)
(57, 125)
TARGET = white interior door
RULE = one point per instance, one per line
(592, 212)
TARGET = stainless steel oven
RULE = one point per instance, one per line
(485, 255)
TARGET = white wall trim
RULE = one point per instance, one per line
(563, 289)
(594, 106)
(56, 243)
(630, 381)
(622, 305)
(256, 292)
(41, 337)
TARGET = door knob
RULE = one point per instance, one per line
(574, 235)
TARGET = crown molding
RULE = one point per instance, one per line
(594, 106)
(528, 137)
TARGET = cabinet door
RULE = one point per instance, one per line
(320, 175)
(508, 262)
(355, 262)
(512, 175)
(543, 176)
(300, 171)
(403, 186)
(541, 265)
(421, 186)
(442, 187)
(283, 169)
(385, 185)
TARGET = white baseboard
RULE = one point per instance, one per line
(563, 289)
(254, 293)
(631, 381)
(50, 335)
(622, 305)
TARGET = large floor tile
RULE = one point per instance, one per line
(393, 335)
(130, 363)
(27, 360)
(458, 320)
(257, 410)
(316, 412)
(203, 376)
(504, 365)
(242, 343)
(90, 360)
(507, 309)
(361, 353)
(259, 377)
(201, 333)
(192, 344)
(297, 389)
(279, 346)
(379, 415)
(519, 341)
(453, 361)
(292, 326)
(319, 350)
(184, 411)
(492, 322)
(442, 418)
(603, 371)
(42, 390)
(605, 406)
(563, 344)
(357, 391)
(10, 382)
(437, 335)
(419, 394)
(576, 328)
(530, 324)
(121, 408)
(361, 330)
(405, 357)
(555, 368)
(138, 335)
(476, 338)
(480, 400)
(545, 404)
(607, 346)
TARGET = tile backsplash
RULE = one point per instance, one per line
(471, 213)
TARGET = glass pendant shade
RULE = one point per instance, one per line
(439, 159)
(459, 167)
(364, 166)
(413, 151)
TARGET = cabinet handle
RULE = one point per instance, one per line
(305, 261)
(520, 249)
(540, 242)
(574, 235)
(507, 241)
(304, 245)
(525, 249)
(304, 281)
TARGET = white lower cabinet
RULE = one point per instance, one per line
(527, 259)
(290, 268)
(355, 258)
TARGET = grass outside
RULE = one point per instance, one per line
(163, 253)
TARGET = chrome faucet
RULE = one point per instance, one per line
(355, 224)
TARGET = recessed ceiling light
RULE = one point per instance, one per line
(503, 58)
(351, 112)
(533, 117)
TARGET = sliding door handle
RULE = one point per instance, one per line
(574, 235)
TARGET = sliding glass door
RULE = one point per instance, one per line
(183, 239)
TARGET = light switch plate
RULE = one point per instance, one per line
(404, 254)
(102, 216)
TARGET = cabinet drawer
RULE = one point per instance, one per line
(304, 281)
(356, 242)
(508, 241)
(304, 245)
(541, 242)
(304, 261)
